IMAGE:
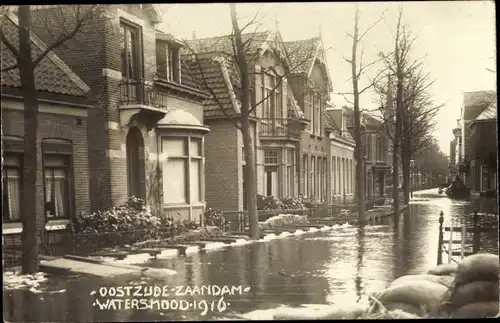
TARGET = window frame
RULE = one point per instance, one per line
(188, 199)
(139, 53)
(19, 156)
(60, 148)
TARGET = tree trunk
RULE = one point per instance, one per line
(250, 177)
(396, 142)
(31, 155)
(358, 152)
(406, 155)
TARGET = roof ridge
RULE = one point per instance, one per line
(53, 57)
(229, 35)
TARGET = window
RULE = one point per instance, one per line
(333, 176)
(161, 60)
(313, 113)
(485, 178)
(289, 171)
(318, 115)
(312, 177)
(174, 64)
(305, 171)
(319, 180)
(279, 100)
(323, 175)
(182, 171)
(11, 187)
(57, 186)
(130, 51)
(271, 172)
(263, 93)
(339, 174)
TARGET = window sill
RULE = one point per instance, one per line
(183, 205)
(52, 225)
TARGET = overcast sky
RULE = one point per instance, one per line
(457, 39)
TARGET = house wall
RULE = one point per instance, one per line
(223, 166)
(340, 184)
(55, 122)
(96, 57)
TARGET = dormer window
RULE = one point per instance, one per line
(168, 61)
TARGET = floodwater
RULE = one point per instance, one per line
(326, 267)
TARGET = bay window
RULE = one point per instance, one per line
(182, 170)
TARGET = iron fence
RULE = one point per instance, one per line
(138, 92)
(279, 127)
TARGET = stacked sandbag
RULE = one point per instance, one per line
(420, 295)
(444, 270)
(476, 288)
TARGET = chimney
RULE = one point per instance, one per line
(194, 34)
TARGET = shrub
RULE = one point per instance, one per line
(133, 215)
(215, 218)
(268, 203)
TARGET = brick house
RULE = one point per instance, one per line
(287, 125)
(274, 122)
(473, 105)
(63, 190)
(483, 151)
(146, 133)
(311, 85)
(377, 158)
(342, 160)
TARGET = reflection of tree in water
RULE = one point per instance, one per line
(359, 263)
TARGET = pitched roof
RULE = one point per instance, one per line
(224, 44)
(478, 98)
(51, 74)
(489, 113)
(302, 54)
(213, 73)
(475, 103)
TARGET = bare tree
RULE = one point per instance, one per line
(243, 55)
(26, 64)
(357, 71)
(413, 105)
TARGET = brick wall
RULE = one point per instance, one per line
(223, 166)
(60, 127)
(97, 48)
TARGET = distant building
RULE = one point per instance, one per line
(483, 150)
(473, 105)
(343, 163)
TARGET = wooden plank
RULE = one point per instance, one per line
(224, 240)
(472, 229)
(196, 243)
(102, 270)
(459, 253)
(114, 254)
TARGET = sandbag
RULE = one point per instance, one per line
(407, 308)
(478, 267)
(419, 293)
(480, 291)
(444, 269)
(447, 281)
(477, 310)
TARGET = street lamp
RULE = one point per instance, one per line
(412, 163)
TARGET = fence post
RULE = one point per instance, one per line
(476, 245)
(440, 240)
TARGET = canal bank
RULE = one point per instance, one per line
(338, 266)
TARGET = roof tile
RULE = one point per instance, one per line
(49, 75)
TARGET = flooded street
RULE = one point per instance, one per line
(336, 266)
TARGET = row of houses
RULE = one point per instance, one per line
(126, 109)
(474, 148)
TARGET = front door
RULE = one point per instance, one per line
(271, 181)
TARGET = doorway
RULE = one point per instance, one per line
(135, 163)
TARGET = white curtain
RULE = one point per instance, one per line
(14, 194)
(59, 193)
(174, 181)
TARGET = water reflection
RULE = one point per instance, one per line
(337, 266)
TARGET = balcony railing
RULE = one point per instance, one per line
(279, 127)
(138, 92)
